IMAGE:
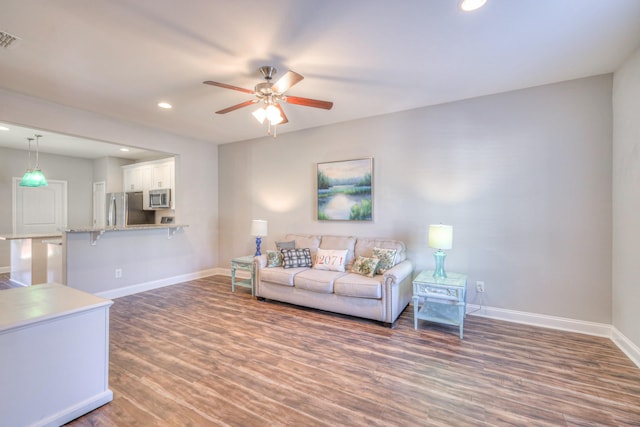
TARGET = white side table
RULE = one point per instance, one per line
(243, 263)
(444, 300)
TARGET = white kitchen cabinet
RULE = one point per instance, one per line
(161, 175)
(148, 175)
(136, 177)
(145, 176)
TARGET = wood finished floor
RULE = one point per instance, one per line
(195, 354)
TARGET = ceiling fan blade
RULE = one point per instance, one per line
(226, 86)
(284, 116)
(236, 107)
(286, 81)
(307, 102)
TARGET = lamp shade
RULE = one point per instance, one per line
(440, 236)
(259, 228)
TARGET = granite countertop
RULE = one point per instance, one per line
(121, 228)
(30, 236)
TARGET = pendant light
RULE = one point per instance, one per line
(34, 177)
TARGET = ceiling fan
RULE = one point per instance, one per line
(269, 94)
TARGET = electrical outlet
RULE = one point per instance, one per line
(479, 286)
(118, 273)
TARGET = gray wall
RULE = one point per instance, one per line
(77, 172)
(109, 170)
(524, 178)
(626, 199)
(197, 204)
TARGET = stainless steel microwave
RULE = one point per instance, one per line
(160, 198)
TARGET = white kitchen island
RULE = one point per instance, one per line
(29, 254)
(54, 354)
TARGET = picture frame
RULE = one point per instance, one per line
(344, 190)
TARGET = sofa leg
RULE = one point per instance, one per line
(390, 325)
(261, 298)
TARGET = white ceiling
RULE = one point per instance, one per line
(370, 57)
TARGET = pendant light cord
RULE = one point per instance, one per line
(29, 157)
(37, 151)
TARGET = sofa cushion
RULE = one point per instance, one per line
(331, 259)
(286, 245)
(280, 276)
(387, 259)
(306, 241)
(365, 266)
(320, 281)
(358, 286)
(340, 242)
(364, 247)
(292, 258)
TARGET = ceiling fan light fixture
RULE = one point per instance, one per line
(471, 5)
(260, 114)
(273, 114)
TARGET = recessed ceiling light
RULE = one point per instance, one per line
(4, 128)
(124, 149)
(469, 5)
(164, 105)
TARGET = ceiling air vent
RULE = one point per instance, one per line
(6, 39)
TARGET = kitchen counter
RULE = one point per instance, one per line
(54, 362)
(96, 232)
(29, 236)
(120, 228)
(29, 257)
(117, 261)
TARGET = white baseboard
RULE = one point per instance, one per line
(71, 413)
(561, 323)
(630, 349)
(5, 270)
(155, 284)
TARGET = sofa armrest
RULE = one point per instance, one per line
(398, 272)
(260, 262)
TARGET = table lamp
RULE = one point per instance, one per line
(440, 237)
(259, 230)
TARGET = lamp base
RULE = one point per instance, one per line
(258, 241)
(439, 256)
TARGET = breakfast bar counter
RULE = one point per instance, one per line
(96, 232)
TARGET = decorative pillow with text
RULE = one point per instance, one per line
(331, 259)
(365, 266)
(292, 258)
(387, 259)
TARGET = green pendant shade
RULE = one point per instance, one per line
(33, 178)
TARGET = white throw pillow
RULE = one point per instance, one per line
(331, 259)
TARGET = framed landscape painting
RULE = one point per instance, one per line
(344, 190)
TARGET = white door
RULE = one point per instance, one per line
(99, 199)
(39, 210)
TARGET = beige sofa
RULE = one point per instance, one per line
(382, 297)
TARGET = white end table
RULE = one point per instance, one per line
(243, 263)
(444, 300)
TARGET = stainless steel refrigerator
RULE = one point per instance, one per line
(126, 209)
